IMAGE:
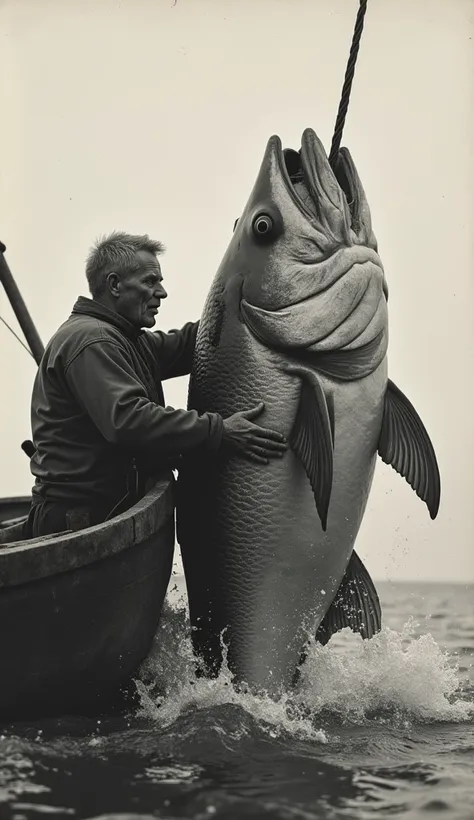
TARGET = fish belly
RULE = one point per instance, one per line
(257, 562)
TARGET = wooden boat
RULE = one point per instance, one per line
(78, 610)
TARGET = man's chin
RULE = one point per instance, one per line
(149, 320)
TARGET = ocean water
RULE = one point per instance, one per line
(380, 728)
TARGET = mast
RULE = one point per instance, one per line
(21, 311)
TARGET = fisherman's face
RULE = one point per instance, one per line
(140, 292)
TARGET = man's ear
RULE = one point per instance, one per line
(114, 284)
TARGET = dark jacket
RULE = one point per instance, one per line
(98, 405)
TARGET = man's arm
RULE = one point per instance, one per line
(175, 350)
(103, 381)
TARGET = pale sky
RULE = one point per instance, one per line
(149, 116)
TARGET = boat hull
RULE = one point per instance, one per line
(79, 611)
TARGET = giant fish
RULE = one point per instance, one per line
(296, 317)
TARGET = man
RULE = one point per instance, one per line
(97, 410)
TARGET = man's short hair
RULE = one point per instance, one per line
(117, 253)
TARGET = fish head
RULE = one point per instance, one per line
(304, 254)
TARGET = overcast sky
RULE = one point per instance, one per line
(153, 116)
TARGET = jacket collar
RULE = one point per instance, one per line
(90, 307)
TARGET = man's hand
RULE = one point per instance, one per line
(241, 435)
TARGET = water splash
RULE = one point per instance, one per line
(396, 676)
(393, 674)
(169, 687)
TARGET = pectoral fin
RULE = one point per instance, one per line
(405, 444)
(356, 605)
(312, 436)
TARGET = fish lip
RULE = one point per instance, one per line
(342, 178)
(278, 152)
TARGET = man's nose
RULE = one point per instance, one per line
(161, 292)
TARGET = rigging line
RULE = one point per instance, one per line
(346, 88)
(16, 336)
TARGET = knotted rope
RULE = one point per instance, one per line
(346, 88)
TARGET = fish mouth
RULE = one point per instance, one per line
(331, 198)
(304, 171)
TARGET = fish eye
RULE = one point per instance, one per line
(262, 225)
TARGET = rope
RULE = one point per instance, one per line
(346, 88)
(16, 336)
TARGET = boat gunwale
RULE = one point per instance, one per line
(6, 501)
(38, 558)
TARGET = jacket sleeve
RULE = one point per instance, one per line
(175, 350)
(103, 381)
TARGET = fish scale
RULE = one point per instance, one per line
(261, 519)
